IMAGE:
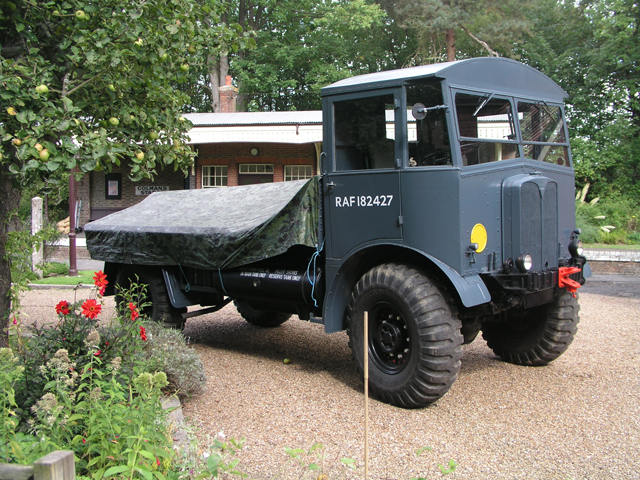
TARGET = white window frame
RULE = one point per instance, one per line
(255, 168)
(297, 172)
(215, 176)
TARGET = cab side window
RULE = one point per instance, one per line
(542, 128)
(427, 135)
(364, 133)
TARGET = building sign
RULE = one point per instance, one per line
(149, 189)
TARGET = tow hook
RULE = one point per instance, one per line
(565, 282)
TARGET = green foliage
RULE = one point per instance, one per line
(609, 221)
(88, 387)
(168, 350)
(304, 45)
(449, 468)
(311, 460)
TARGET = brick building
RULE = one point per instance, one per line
(232, 149)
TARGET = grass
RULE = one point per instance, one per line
(84, 276)
(608, 246)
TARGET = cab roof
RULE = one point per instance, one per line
(500, 75)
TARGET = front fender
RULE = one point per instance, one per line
(343, 275)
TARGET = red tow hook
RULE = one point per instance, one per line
(565, 282)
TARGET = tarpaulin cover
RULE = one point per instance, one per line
(210, 228)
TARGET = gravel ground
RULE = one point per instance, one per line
(578, 418)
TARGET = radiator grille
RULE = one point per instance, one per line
(534, 221)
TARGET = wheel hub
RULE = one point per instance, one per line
(390, 337)
(390, 341)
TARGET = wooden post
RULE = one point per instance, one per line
(58, 465)
(37, 256)
(73, 270)
(366, 394)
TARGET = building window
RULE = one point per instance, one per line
(214, 176)
(297, 172)
(251, 173)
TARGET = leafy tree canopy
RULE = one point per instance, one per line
(89, 84)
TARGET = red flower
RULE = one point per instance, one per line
(143, 334)
(134, 312)
(15, 321)
(157, 461)
(91, 308)
(100, 281)
(97, 354)
(84, 440)
(63, 308)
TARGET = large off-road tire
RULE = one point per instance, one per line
(260, 318)
(535, 336)
(160, 308)
(415, 344)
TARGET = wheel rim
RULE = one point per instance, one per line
(389, 339)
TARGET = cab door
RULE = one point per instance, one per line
(362, 182)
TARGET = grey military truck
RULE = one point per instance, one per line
(445, 208)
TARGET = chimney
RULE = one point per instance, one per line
(228, 94)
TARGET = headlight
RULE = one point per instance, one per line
(524, 263)
(575, 248)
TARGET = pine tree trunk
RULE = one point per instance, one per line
(9, 202)
(450, 40)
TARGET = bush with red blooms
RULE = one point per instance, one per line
(122, 336)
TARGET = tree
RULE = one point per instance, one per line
(89, 84)
(592, 49)
(292, 48)
(488, 26)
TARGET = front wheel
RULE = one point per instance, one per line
(159, 308)
(415, 344)
(535, 336)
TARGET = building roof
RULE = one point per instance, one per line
(263, 127)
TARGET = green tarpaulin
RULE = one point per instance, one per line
(210, 228)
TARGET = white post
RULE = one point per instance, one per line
(36, 225)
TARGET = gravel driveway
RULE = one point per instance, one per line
(578, 418)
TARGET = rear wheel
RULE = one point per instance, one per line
(160, 308)
(535, 336)
(414, 335)
(260, 318)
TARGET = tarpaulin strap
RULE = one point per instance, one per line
(565, 282)
(314, 257)
(188, 286)
(222, 283)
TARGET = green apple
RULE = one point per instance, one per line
(11, 111)
(287, 361)
(139, 42)
(164, 57)
(153, 135)
(140, 156)
(42, 89)
(184, 67)
(114, 121)
(17, 142)
(44, 155)
(38, 147)
(80, 15)
(111, 87)
(191, 49)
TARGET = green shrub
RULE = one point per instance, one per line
(91, 388)
(168, 351)
(611, 221)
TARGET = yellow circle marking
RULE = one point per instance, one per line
(479, 236)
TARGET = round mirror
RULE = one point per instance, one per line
(419, 111)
